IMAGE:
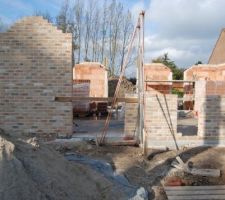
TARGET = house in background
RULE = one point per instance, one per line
(90, 79)
(218, 53)
(96, 74)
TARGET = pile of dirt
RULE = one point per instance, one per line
(33, 171)
(126, 87)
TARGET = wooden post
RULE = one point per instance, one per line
(141, 79)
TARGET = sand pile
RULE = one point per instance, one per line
(126, 87)
(32, 171)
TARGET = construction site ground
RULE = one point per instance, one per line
(31, 169)
(155, 170)
(90, 127)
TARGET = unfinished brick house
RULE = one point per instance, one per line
(36, 67)
(157, 72)
(205, 72)
(90, 79)
(213, 72)
(96, 74)
(214, 77)
(161, 120)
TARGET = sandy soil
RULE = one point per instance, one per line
(30, 170)
(154, 173)
(33, 171)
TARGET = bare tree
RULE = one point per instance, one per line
(65, 22)
(104, 26)
(78, 10)
(62, 20)
(100, 31)
(88, 27)
(127, 27)
(95, 34)
(115, 23)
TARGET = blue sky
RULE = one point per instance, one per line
(185, 29)
(11, 10)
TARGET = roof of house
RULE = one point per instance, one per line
(218, 53)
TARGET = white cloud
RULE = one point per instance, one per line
(136, 9)
(186, 29)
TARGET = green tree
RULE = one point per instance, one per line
(198, 62)
(177, 72)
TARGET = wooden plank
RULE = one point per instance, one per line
(195, 171)
(208, 187)
(197, 197)
(106, 99)
(123, 143)
(205, 172)
(169, 81)
(179, 160)
(194, 192)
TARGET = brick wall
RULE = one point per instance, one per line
(96, 73)
(205, 72)
(131, 117)
(210, 106)
(81, 88)
(157, 72)
(35, 66)
(160, 115)
(205, 88)
(211, 120)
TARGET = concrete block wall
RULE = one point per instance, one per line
(35, 66)
(131, 117)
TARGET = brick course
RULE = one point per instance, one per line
(160, 115)
(35, 66)
(211, 121)
(131, 117)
